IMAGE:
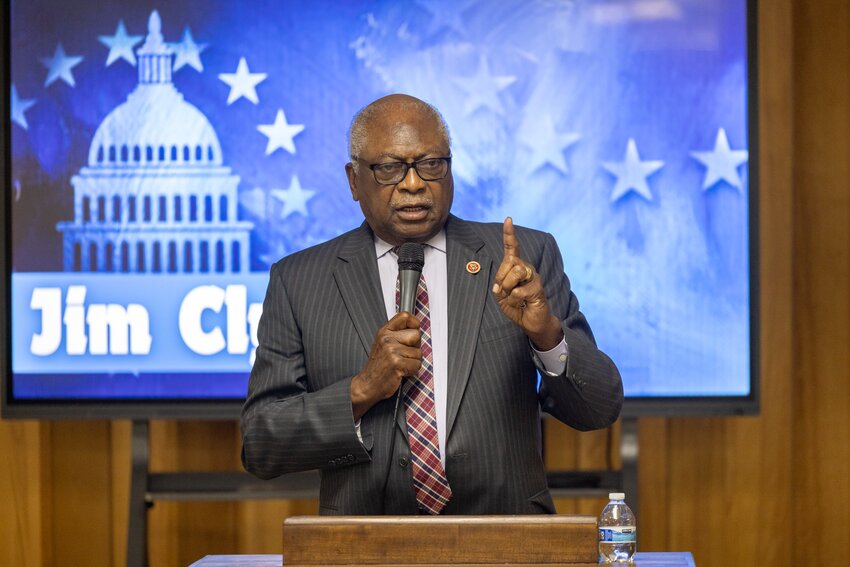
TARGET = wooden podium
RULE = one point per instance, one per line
(440, 540)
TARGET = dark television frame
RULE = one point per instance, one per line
(229, 408)
(684, 406)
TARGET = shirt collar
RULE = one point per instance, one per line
(437, 242)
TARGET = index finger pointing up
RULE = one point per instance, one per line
(509, 238)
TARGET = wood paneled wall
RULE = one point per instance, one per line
(821, 410)
(724, 488)
(771, 489)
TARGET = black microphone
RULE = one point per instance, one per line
(411, 258)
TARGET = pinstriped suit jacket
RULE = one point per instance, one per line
(322, 310)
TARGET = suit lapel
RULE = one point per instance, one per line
(467, 293)
(356, 276)
(359, 283)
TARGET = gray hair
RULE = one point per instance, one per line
(364, 116)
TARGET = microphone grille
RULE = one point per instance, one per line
(411, 256)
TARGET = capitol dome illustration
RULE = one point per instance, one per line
(155, 196)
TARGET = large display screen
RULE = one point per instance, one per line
(162, 159)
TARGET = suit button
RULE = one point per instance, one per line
(402, 462)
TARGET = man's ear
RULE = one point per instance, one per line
(352, 180)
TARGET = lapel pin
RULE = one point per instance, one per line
(473, 267)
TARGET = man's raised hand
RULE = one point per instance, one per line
(519, 292)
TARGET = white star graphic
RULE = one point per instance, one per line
(447, 17)
(187, 52)
(120, 45)
(483, 88)
(722, 163)
(243, 83)
(548, 146)
(294, 199)
(631, 173)
(59, 66)
(280, 133)
(19, 106)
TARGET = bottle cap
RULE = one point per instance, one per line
(617, 496)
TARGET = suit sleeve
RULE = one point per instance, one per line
(286, 427)
(589, 393)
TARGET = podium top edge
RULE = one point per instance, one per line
(571, 519)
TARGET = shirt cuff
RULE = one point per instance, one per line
(357, 430)
(552, 362)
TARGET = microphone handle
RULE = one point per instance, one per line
(408, 284)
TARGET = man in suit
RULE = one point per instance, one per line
(463, 435)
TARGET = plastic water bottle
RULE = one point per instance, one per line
(617, 531)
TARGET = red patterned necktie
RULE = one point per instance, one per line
(429, 476)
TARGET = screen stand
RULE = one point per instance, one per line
(137, 533)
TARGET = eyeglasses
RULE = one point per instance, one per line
(429, 169)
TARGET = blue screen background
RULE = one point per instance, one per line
(618, 126)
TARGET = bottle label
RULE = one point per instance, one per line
(618, 534)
